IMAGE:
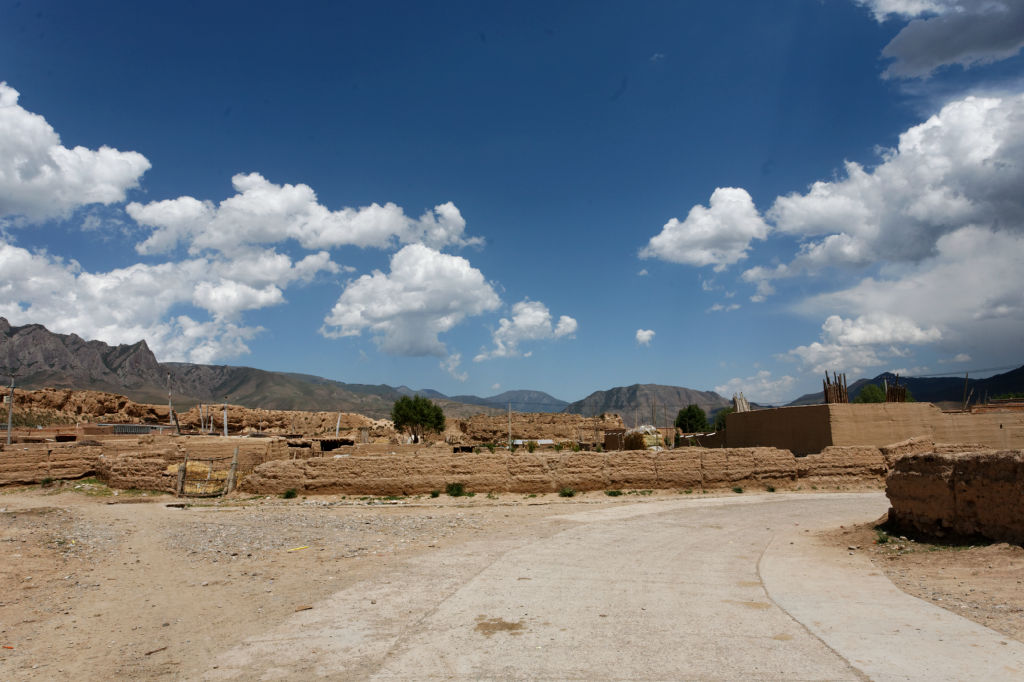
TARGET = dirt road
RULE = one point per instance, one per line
(660, 587)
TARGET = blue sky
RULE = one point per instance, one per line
(477, 197)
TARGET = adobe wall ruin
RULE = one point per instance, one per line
(959, 494)
(482, 428)
(693, 468)
(134, 462)
(812, 428)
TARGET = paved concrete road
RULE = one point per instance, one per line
(659, 590)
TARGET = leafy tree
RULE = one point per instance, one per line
(692, 420)
(872, 393)
(417, 415)
(720, 417)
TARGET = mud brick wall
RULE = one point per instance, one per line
(34, 462)
(430, 469)
(959, 494)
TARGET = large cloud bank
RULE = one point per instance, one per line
(209, 263)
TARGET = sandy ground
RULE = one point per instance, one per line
(137, 589)
(982, 582)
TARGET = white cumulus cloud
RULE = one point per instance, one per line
(966, 299)
(644, 336)
(867, 341)
(760, 388)
(262, 212)
(140, 301)
(426, 293)
(531, 321)
(451, 365)
(718, 235)
(42, 179)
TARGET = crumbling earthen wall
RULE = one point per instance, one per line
(277, 422)
(90, 405)
(135, 462)
(838, 463)
(811, 428)
(923, 444)
(482, 428)
(542, 471)
(959, 494)
(35, 462)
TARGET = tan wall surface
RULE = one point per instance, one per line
(960, 494)
(427, 470)
(33, 463)
(802, 430)
(838, 462)
(811, 428)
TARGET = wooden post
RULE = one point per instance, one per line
(182, 468)
(232, 472)
(10, 411)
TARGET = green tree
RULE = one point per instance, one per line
(692, 420)
(721, 415)
(872, 393)
(417, 415)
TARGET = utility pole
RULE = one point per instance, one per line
(225, 416)
(170, 408)
(10, 410)
(510, 426)
(337, 427)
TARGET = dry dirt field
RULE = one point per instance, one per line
(95, 585)
(982, 582)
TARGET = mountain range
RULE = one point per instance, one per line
(947, 392)
(40, 358)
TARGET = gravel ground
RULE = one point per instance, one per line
(91, 590)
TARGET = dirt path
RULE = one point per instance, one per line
(350, 589)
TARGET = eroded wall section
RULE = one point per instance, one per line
(959, 494)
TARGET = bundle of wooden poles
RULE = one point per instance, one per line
(835, 388)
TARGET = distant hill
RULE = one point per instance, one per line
(41, 358)
(636, 403)
(936, 389)
(522, 401)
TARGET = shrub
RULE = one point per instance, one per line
(455, 489)
(737, 489)
(290, 494)
(558, 447)
(490, 446)
(612, 493)
(770, 488)
(575, 447)
(531, 445)
(435, 493)
(46, 482)
(566, 492)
